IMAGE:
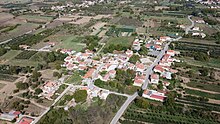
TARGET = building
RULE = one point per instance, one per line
(49, 88)
(26, 120)
(158, 68)
(154, 95)
(154, 79)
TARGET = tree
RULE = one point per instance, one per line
(143, 51)
(160, 85)
(56, 74)
(204, 71)
(2, 51)
(142, 103)
(170, 100)
(38, 91)
(99, 83)
(80, 96)
(22, 86)
(134, 59)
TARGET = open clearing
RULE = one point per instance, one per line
(125, 41)
(68, 42)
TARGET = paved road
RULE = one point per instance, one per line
(191, 26)
(123, 108)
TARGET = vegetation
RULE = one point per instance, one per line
(80, 96)
(134, 59)
(25, 54)
(203, 94)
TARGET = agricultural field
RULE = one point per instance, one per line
(19, 30)
(9, 56)
(25, 54)
(36, 18)
(203, 94)
(209, 87)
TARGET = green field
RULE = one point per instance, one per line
(69, 42)
(74, 79)
(10, 55)
(124, 41)
(210, 87)
(203, 94)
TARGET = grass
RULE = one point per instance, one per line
(74, 79)
(70, 42)
(203, 94)
(125, 41)
(210, 87)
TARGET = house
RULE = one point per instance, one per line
(165, 38)
(24, 46)
(195, 29)
(158, 68)
(167, 75)
(154, 78)
(26, 120)
(49, 88)
(159, 42)
(129, 53)
(200, 21)
(7, 117)
(165, 83)
(140, 67)
(136, 45)
(103, 94)
(89, 73)
(139, 80)
(171, 52)
(154, 95)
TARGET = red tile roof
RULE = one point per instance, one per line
(154, 76)
(89, 73)
(158, 67)
(25, 120)
(157, 97)
(140, 65)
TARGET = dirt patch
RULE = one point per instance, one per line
(214, 101)
(185, 80)
(33, 109)
(48, 74)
